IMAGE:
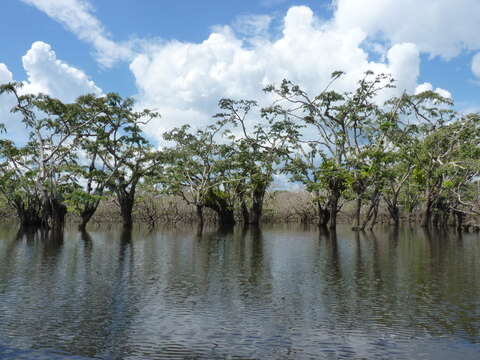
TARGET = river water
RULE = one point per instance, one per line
(278, 293)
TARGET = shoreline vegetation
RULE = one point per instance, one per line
(280, 207)
(363, 157)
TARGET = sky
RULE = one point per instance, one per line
(180, 57)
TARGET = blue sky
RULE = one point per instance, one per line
(180, 57)
(184, 20)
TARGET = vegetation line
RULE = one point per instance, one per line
(407, 157)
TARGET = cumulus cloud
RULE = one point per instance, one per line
(45, 74)
(76, 16)
(429, 87)
(51, 76)
(184, 81)
(438, 27)
(404, 61)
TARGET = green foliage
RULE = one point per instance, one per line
(340, 146)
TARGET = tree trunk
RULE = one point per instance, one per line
(223, 209)
(375, 214)
(257, 205)
(446, 218)
(436, 218)
(358, 210)
(58, 213)
(86, 215)
(200, 217)
(333, 209)
(394, 213)
(53, 214)
(427, 214)
(126, 210)
(393, 210)
(226, 218)
(245, 213)
(459, 217)
(323, 215)
(29, 217)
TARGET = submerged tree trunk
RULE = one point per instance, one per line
(375, 214)
(86, 214)
(242, 194)
(256, 211)
(201, 220)
(126, 202)
(53, 213)
(358, 210)
(48, 213)
(372, 211)
(226, 217)
(58, 214)
(323, 215)
(245, 213)
(126, 209)
(427, 213)
(29, 216)
(394, 212)
(333, 209)
(359, 188)
(441, 210)
(393, 209)
(459, 219)
(223, 209)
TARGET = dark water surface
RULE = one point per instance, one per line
(280, 293)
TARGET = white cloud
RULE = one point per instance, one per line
(11, 121)
(76, 16)
(6, 102)
(429, 87)
(404, 60)
(437, 27)
(45, 74)
(476, 65)
(51, 76)
(5, 74)
(184, 81)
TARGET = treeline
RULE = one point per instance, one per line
(408, 154)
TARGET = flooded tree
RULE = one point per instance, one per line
(364, 153)
(39, 171)
(260, 148)
(125, 154)
(342, 124)
(202, 171)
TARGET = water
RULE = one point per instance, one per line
(282, 293)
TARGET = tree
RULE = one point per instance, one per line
(259, 150)
(306, 166)
(125, 154)
(18, 183)
(460, 168)
(90, 175)
(342, 124)
(439, 133)
(201, 171)
(41, 167)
